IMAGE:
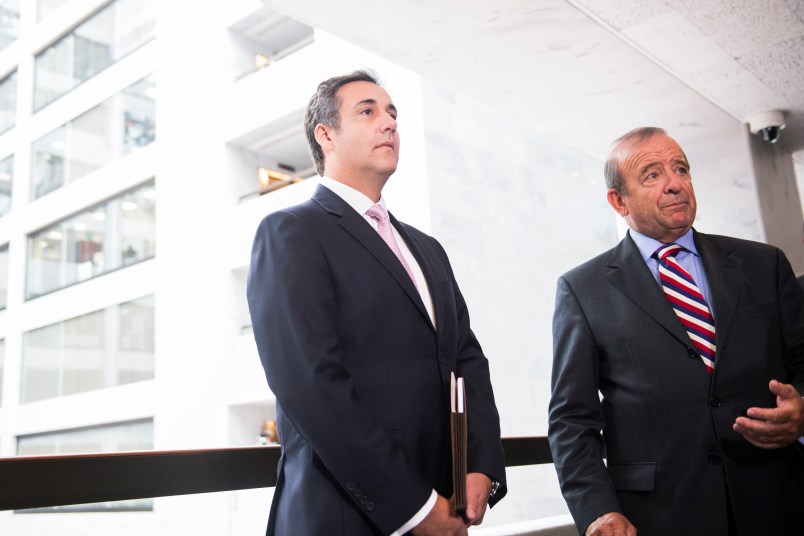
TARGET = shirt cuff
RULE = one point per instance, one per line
(419, 517)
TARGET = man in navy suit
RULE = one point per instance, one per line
(699, 437)
(359, 323)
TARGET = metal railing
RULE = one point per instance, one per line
(45, 481)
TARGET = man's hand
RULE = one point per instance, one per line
(611, 524)
(478, 488)
(441, 521)
(773, 428)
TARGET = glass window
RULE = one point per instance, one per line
(109, 35)
(3, 275)
(112, 235)
(6, 180)
(137, 227)
(138, 435)
(105, 348)
(8, 102)
(135, 343)
(107, 132)
(9, 22)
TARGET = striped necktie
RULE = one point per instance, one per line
(688, 302)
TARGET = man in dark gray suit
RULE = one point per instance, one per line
(696, 344)
(359, 323)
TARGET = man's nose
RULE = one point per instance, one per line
(673, 183)
(389, 124)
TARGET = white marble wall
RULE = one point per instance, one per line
(514, 210)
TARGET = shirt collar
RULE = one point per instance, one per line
(647, 245)
(357, 200)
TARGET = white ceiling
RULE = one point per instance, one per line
(587, 71)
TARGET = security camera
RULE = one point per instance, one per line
(767, 124)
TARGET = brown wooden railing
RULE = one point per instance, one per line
(44, 481)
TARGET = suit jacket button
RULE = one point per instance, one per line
(714, 458)
(691, 353)
(363, 500)
(350, 486)
(358, 493)
(369, 506)
(715, 402)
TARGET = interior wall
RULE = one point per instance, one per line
(514, 210)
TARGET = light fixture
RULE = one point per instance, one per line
(261, 60)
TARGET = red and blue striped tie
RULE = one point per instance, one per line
(688, 302)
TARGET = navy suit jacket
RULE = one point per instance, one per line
(672, 455)
(360, 374)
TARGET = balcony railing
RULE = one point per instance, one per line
(45, 481)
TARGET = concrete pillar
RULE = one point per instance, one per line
(780, 215)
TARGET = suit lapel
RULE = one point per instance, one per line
(354, 224)
(629, 273)
(427, 265)
(723, 273)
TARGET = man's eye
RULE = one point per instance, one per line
(367, 111)
(682, 171)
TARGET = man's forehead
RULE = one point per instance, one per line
(361, 90)
(657, 147)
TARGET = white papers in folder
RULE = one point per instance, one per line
(457, 394)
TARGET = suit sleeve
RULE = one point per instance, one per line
(485, 452)
(791, 299)
(292, 303)
(575, 414)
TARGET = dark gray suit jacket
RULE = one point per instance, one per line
(360, 374)
(672, 455)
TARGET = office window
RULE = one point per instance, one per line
(109, 35)
(6, 181)
(3, 275)
(9, 22)
(45, 7)
(135, 341)
(137, 435)
(106, 348)
(111, 235)
(107, 132)
(8, 102)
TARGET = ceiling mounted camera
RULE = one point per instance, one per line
(767, 124)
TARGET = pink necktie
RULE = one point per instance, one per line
(378, 214)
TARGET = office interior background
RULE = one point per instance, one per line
(141, 142)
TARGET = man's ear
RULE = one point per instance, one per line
(617, 202)
(322, 136)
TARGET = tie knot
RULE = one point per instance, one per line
(667, 250)
(377, 212)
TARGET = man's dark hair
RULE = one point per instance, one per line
(324, 107)
(611, 169)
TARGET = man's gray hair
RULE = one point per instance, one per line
(324, 107)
